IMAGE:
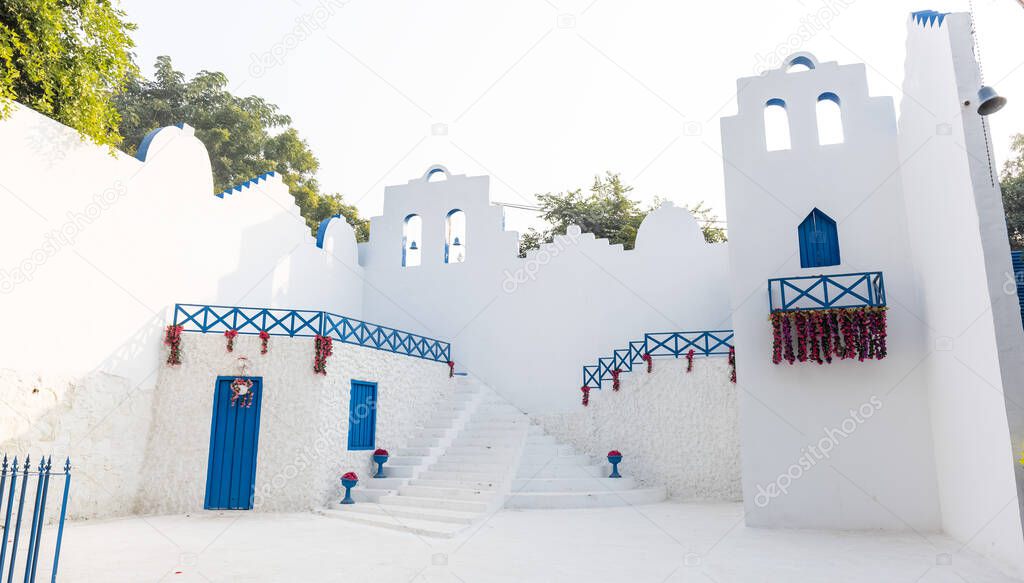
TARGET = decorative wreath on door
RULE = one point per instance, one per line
(241, 392)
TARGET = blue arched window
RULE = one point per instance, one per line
(819, 240)
(455, 237)
(412, 238)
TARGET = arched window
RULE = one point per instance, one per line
(819, 240)
(830, 119)
(799, 63)
(412, 239)
(455, 237)
(776, 125)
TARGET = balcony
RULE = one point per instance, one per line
(823, 292)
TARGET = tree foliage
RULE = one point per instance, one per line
(66, 59)
(1012, 184)
(245, 136)
(606, 211)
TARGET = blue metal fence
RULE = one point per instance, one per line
(820, 292)
(674, 344)
(13, 546)
(282, 322)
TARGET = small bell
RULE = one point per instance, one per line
(414, 246)
(989, 101)
(457, 243)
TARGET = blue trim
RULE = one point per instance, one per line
(321, 231)
(362, 432)
(233, 448)
(246, 184)
(308, 323)
(829, 96)
(675, 344)
(801, 60)
(823, 292)
(143, 150)
(775, 101)
(819, 240)
(928, 17)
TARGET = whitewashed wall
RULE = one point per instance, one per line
(962, 261)
(527, 326)
(676, 429)
(98, 245)
(303, 421)
(882, 473)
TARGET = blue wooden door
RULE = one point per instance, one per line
(234, 436)
(362, 416)
(819, 240)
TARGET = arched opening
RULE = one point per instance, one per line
(819, 240)
(799, 63)
(412, 239)
(436, 175)
(830, 119)
(455, 237)
(776, 125)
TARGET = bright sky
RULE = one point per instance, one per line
(540, 94)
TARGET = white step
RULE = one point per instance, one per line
(417, 451)
(591, 484)
(578, 459)
(504, 460)
(424, 442)
(585, 499)
(485, 441)
(471, 484)
(401, 460)
(434, 514)
(462, 476)
(559, 471)
(420, 527)
(541, 440)
(480, 450)
(432, 432)
(460, 505)
(454, 467)
(547, 449)
(387, 483)
(476, 495)
(396, 471)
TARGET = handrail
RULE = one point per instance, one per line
(823, 292)
(674, 344)
(206, 318)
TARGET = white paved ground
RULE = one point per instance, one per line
(668, 542)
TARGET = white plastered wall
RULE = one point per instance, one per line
(962, 263)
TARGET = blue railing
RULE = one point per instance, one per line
(821, 292)
(674, 344)
(282, 322)
(11, 476)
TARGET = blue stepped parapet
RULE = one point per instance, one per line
(247, 184)
(929, 17)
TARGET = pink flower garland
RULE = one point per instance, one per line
(650, 362)
(689, 361)
(324, 348)
(821, 334)
(615, 378)
(264, 341)
(231, 335)
(777, 318)
(172, 338)
(586, 395)
(732, 364)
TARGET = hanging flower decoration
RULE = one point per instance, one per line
(380, 451)
(324, 348)
(264, 341)
(241, 392)
(843, 333)
(172, 338)
(689, 360)
(615, 453)
(586, 395)
(650, 362)
(231, 335)
(451, 368)
(615, 378)
(732, 364)
(350, 476)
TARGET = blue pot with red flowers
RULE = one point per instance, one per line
(349, 480)
(614, 457)
(380, 456)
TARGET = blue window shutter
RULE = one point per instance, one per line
(362, 416)
(819, 240)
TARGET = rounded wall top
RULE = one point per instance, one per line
(668, 226)
(801, 58)
(435, 169)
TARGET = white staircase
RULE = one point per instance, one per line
(476, 454)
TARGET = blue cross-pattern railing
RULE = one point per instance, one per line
(822, 292)
(283, 322)
(674, 344)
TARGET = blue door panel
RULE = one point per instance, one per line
(819, 240)
(362, 416)
(234, 436)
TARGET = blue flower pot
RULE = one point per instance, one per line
(348, 484)
(614, 461)
(380, 459)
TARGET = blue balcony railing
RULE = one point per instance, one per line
(675, 344)
(282, 322)
(821, 292)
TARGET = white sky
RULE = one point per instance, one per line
(539, 94)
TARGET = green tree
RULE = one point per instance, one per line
(245, 136)
(66, 59)
(605, 210)
(1012, 184)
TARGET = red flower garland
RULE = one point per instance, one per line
(172, 338)
(586, 395)
(615, 378)
(689, 361)
(324, 348)
(264, 341)
(241, 392)
(845, 333)
(732, 364)
(776, 318)
(650, 362)
(814, 322)
(230, 335)
(451, 368)
(787, 339)
(800, 319)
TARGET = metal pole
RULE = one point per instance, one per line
(7, 520)
(32, 531)
(63, 512)
(42, 515)
(17, 525)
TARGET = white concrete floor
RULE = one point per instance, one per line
(661, 543)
